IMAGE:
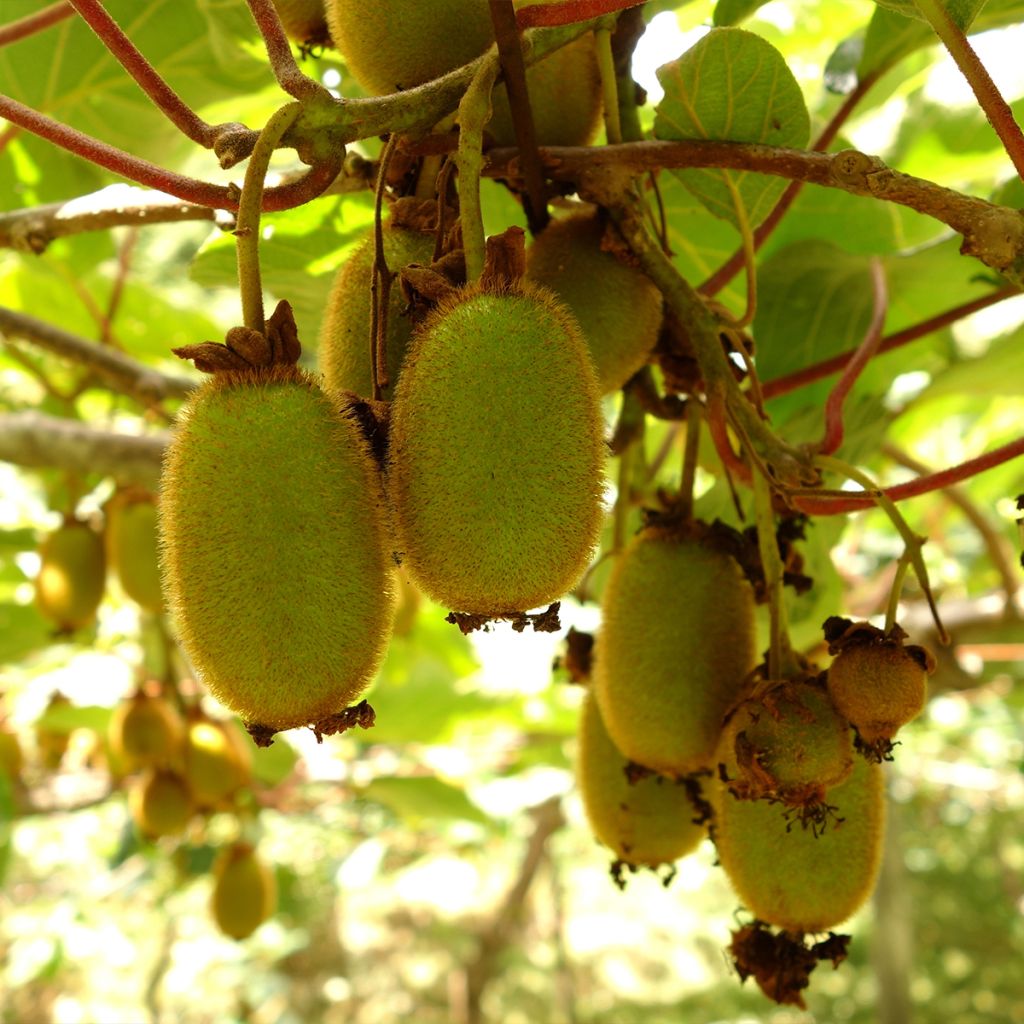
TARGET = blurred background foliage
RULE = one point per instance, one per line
(438, 867)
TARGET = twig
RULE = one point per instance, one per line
(380, 284)
(565, 12)
(865, 352)
(279, 51)
(32, 23)
(124, 263)
(124, 374)
(39, 441)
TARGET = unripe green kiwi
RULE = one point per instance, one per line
(496, 452)
(244, 891)
(646, 824)
(790, 745)
(217, 759)
(618, 307)
(802, 879)
(145, 732)
(674, 649)
(160, 804)
(344, 346)
(304, 21)
(273, 548)
(72, 575)
(132, 547)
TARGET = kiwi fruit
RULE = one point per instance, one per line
(676, 644)
(802, 879)
(399, 44)
(132, 548)
(647, 823)
(72, 575)
(344, 347)
(496, 451)
(304, 21)
(52, 743)
(244, 891)
(160, 804)
(145, 732)
(217, 759)
(790, 745)
(271, 518)
(618, 307)
(12, 760)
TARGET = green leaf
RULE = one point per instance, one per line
(273, 764)
(733, 85)
(997, 372)
(22, 630)
(423, 799)
(732, 12)
(64, 718)
(962, 12)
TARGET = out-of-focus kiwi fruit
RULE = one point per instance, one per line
(676, 644)
(217, 760)
(51, 743)
(72, 575)
(274, 561)
(145, 732)
(160, 804)
(12, 760)
(132, 547)
(244, 891)
(496, 451)
(618, 307)
(647, 823)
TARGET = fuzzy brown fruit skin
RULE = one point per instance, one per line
(496, 452)
(274, 559)
(646, 824)
(217, 760)
(133, 549)
(343, 350)
(72, 575)
(618, 307)
(160, 804)
(244, 891)
(802, 879)
(674, 650)
(145, 732)
(304, 21)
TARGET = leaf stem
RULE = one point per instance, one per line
(279, 52)
(21, 28)
(382, 277)
(748, 249)
(691, 450)
(249, 207)
(892, 608)
(609, 85)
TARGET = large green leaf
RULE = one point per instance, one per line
(733, 85)
(962, 12)
(1000, 371)
(423, 799)
(732, 12)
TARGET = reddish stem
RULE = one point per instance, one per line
(279, 52)
(567, 12)
(124, 50)
(838, 504)
(202, 193)
(728, 270)
(861, 357)
(809, 374)
(717, 429)
(33, 23)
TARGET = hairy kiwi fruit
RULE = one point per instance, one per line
(618, 307)
(160, 804)
(496, 451)
(674, 649)
(132, 546)
(271, 517)
(400, 44)
(647, 823)
(802, 879)
(72, 575)
(790, 745)
(244, 891)
(145, 732)
(304, 21)
(217, 759)
(344, 347)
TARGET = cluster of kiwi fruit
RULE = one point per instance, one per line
(77, 558)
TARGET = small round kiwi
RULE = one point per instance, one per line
(244, 891)
(145, 732)
(218, 760)
(646, 824)
(304, 21)
(72, 575)
(344, 347)
(496, 451)
(160, 804)
(132, 547)
(272, 521)
(618, 307)
(676, 644)
(802, 879)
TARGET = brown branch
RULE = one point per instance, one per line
(32, 23)
(120, 372)
(279, 51)
(35, 440)
(566, 12)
